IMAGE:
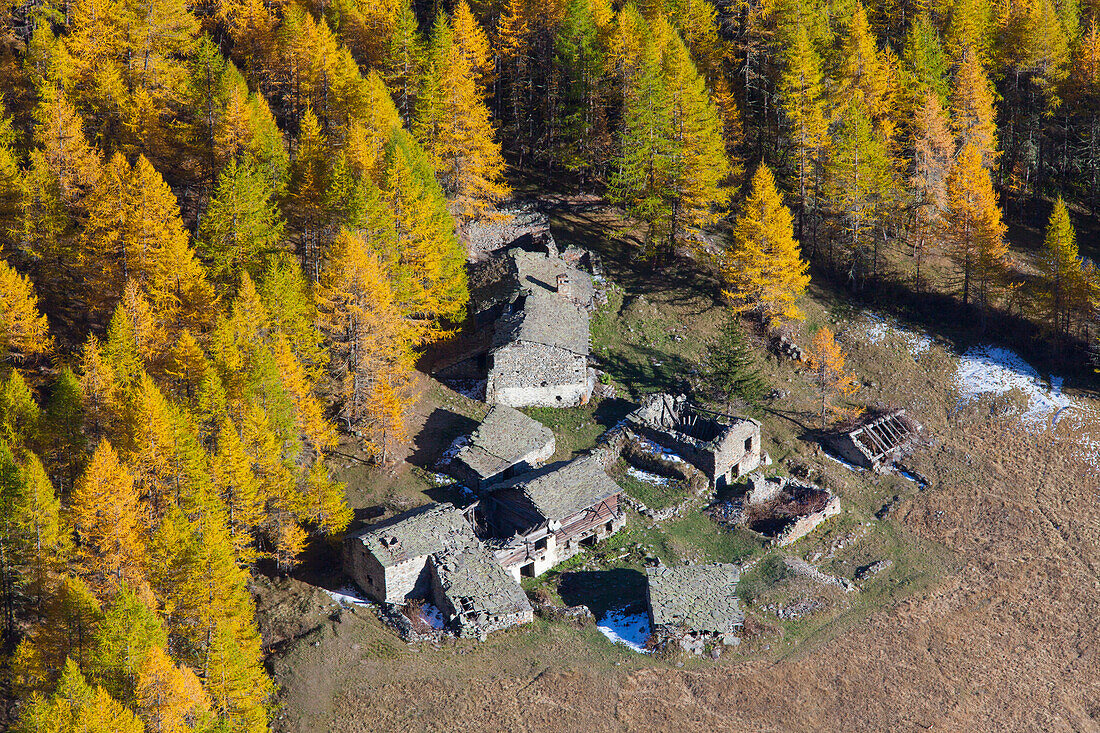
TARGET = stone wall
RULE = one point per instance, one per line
(393, 584)
(804, 525)
(528, 374)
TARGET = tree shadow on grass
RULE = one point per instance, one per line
(603, 590)
(439, 431)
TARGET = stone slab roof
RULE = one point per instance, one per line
(539, 274)
(545, 318)
(505, 437)
(563, 489)
(473, 581)
(422, 531)
(698, 598)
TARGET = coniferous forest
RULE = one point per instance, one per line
(230, 228)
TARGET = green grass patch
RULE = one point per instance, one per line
(653, 495)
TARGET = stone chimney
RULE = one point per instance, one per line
(565, 286)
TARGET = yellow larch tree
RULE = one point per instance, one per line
(239, 490)
(975, 233)
(76, 707)
(106, 515)
(309, 414)
(1067, 290)
(371, 343)
(762, 268)
(973, 119)
(24, 331)
(170, 699)
(933, 157)
(453, 125)
(825, 359)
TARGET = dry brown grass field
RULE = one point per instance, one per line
(989, 619)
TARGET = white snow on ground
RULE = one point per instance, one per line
(995, 370)
(349, 595)
(632, 629)
(453, 449)
(881, 329)
(432, 616)
(649, 478)
(656, 450)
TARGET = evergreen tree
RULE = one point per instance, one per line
(730, 366)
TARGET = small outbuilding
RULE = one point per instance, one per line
(699, 601)
(505, 444)
(878, 441)
(475, 594)
(722, 446)
(389, 560)
(545, 517)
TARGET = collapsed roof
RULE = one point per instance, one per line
(473, 583)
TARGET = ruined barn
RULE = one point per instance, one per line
(545, 517)
(877, 442)
(475, 594)
(722, 446)
(505, 444)
(389, 560)
(694, 600)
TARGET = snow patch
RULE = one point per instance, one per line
(647, 477)
(996, 370)
(653, 449)
(452, 450)
(880, 329)
(432, 616)
(622, 628)
(348, 595)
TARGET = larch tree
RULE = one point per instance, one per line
(762, 268)
(453, 125)
(973, 119)
(859, 181)
(24, 331)
(802, 98)
(672, 170)
(371, 344)
(76, 707)
(1066, 292)
(826, 359)
(975, 236)
(169, 698)
(933, 158)
(241, 229)
(106, 515)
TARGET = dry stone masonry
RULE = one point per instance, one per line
(698, 601)
(505, 444)
(721, 446)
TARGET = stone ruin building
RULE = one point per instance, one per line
(785, 509)
(389, 560)
(539, 350)
(878, 442)
(723, 447)
(694, 603)
(505, 444)
(475, 594)
(547, 516)
(432, 553)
